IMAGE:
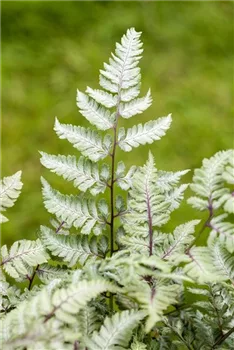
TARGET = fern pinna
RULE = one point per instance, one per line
(110, 276)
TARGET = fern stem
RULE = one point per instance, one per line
(206, 224)
(223, 338)
(150, 224)
(32, 277)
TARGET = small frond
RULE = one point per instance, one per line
(137, 106)
(154, 300)
(222, 230)
(47, 273)
(122, 71)
(89, 321)
(102, 97)
(137, 345)
(74, 210)
(175, 196)
(83, 172)
(10, 188)
(116, 331)
(123, 180)
(72, 248)
(175, 244)
(87, 141)
(94, 113)
(22, 256)
(228, 173)
(146, 203)
(67, 302)
(223, 260)
(208, 182)
(143, 134)
(167, 179)
(202, 266)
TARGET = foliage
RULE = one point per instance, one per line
(111, 277)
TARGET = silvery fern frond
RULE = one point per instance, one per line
(87, 141)
(124, 181)
(67, 302)
(167, 179)
(71, 248)
(228, 176)
(75, 210)
(122, 71)
(154, 300)
(22, 256)
(210, 264)
(102, 97)
(143, 134)
(116, 331)
(138, 106)
(83, 172)
(94, 113)
(208, 182)
(10, 188)
(223, 230)
(146, 203)
(174, 245)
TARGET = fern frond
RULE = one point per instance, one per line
(167, 179)
(203, 266)
(94, 113)
(122, 71)
(208, 182)
(143, 134)
(223, 230)
(47, 273)
(102, 97)
(223, 260)
(123, 180)
(89, 321)
(174, 245)
(175, 196)
(72, 248)
(137, 345)
(137, 106)
(228, 173)
(154, 300)
(10, 188)
(83, 172)
(87, 141)
(75, 210)
(67, 302)
(116, 331)
(21, 256)
(146, 203)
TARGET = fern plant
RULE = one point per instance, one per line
(105, 274)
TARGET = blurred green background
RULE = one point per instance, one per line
(49, 49)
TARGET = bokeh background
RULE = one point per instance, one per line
(49, 49)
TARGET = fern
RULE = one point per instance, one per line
(87, 141)
(76, 211)
(21, 256)
(143, 134)
(10, 188)
(84, 174)
(208, 182)
(130, 287)
(72, 249)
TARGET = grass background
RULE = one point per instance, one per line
(49, 49)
